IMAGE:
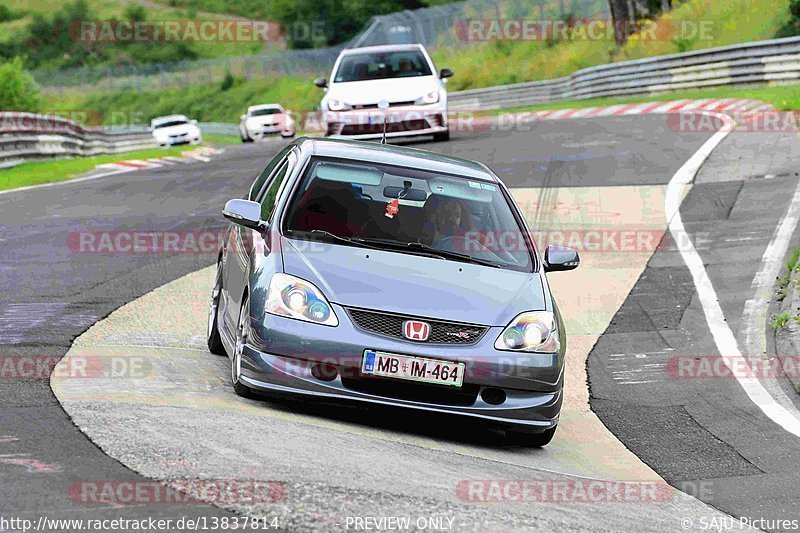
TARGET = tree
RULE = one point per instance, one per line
(18, 89)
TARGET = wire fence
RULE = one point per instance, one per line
(434, 26)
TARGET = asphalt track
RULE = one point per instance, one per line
(52, 294)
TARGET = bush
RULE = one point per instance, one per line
(6, 15)
(18, 90)
(227, 82)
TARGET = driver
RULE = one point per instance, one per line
(444, 217)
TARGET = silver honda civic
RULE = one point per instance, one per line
(393, 276)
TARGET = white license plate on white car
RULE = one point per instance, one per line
(411, 368)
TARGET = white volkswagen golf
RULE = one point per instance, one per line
(402, 76)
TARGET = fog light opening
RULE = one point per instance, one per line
(324, 371)
(493, 396)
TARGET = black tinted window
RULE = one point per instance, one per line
(375, 66)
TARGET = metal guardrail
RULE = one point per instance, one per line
(28, 137)
(775, 61)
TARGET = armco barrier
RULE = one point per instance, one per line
(775, 61)
(28, 136)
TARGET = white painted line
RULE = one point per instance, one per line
(720, 331)
(754, 317)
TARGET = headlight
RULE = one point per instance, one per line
(430, 98)
(335, 105)
(295, 298)
(534, 331)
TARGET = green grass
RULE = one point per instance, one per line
(781, 319)
(791, 267)
(208, 103)
(35, 173)
(729, 22)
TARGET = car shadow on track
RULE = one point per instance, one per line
(439, 426)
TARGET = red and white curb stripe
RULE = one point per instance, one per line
(202, 153)
(730, 106)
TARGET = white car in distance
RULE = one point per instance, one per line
(401, 75)
(266, 119)
(175, 129)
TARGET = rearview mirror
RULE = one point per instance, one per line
(321, 83)
(445, 73)
(559, 258)
(245, 213)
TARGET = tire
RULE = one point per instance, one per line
(532, 440)
(213, 337)
(236, 361)
(442, 137)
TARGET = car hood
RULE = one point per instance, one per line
(392, 90)
(412, 284)
(265, 119)
(176, 130)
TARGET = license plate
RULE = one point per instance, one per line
(411, 368)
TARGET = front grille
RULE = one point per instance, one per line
(391, 127)
(414, 392)
(391, 104)
(391, 325)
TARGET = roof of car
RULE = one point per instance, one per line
(394, 155)
(264, 106)
(382, 48)
(170, 117)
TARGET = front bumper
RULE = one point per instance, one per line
(283, 352)
(401, 121)
(266, 130)
(177, 141)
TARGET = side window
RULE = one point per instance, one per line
(269, 196)
(258, 184)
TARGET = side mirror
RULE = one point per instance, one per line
(245, 213)
(445, 73)
(321, 83)
(559, 258)
(194, 121)
(242, 117)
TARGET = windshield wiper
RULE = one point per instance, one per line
(424, 248)
(453, 255)
(340, 238)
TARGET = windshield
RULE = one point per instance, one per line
(262, 112)
(170, 123)
(378, 66)
(407, 210)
